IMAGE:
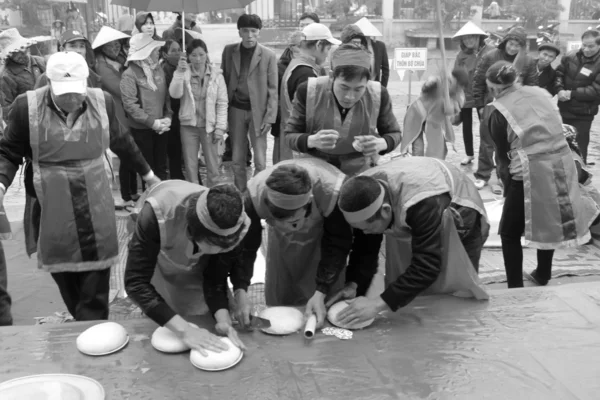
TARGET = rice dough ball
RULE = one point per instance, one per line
(165, 340)
(284, 320)
(217, 361)
(102, 338)
(336, 309)
(43, 391)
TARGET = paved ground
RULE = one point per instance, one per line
(35, 294)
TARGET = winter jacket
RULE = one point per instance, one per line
(142, 104)
(580, 75)
(110, 79)
(529, 76)
(16, 80)
(468, 59)
(216, 99)
(547, 79)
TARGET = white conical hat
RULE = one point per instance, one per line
(107, 35)
(469, 29)
(367, 28)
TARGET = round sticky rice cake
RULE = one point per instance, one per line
(333, 312)
(102, 338)
(284, 320)
(217, 361)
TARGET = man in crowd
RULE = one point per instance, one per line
(75, 22)
(21, 69)
(380, 71)
(312, 54)
(345, 119)
(184, 246)
(547, 53)
(435, 226)
(578, 87)
(308, 238)
(250, 72)
(65, 128)
(190, 24)
(512, 48)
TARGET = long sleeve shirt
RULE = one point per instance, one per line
(15, 145)
(295, 130)
(144, 248)
(335, 246)
(425, 222)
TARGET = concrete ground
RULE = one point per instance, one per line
(34, 292)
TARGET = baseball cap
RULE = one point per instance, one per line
(67, 72)
(71, 36)
(319, 31)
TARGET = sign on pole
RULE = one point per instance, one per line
(410, 59)
(573, 46)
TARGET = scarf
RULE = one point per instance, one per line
(148, 67)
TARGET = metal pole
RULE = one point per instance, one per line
(444, 76)
(409, 87)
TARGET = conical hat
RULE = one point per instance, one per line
(469, 29)
(107, 35)
(11, 41)
(367, 28)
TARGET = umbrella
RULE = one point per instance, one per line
(192, 6)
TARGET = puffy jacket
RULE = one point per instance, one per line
(217, 101)
(529, 76)
(468, 60)
(584, 86)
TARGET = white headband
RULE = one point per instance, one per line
(367, 212)
(207, 221)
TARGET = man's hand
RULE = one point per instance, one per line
(264, 129)
(182, 65)
(361, 310)
(371, 145)
(218, 135)
(325, 139)
(347, 293)
(225, 329)
(242, 308)
(316, 305)
(202, 340)
(564, 95)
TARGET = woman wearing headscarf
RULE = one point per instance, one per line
(551, 210)
(472, 48)
(203, 111)
(146, 101)
(110, 67)
(144, 23)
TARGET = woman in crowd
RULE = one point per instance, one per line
(144, 23)
(110, 67)
(203, 111)
(551, 210)
(472, 48)
(169, 59)
(146, 101)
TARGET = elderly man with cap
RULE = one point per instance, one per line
(64, 129)
(345, 118)
(21, 69)
(75, 41)
(308, 238)
(435, 226)
(185, 245)
(313, 50)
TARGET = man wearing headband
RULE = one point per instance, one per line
(345, 119)
(435, 226)
(185, 243)
(64, 129)
(308, 238)
(543, 200)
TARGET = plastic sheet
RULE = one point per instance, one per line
(538, 343)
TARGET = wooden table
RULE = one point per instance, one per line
(537, 343)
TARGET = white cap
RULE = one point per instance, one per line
(67, 73)
(318, 31)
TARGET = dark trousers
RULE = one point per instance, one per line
(583, 127)
(127, 180)
(512, 226)
(486, 158)
(466, 116)
(154, 149)
(85, 293)
(5, 301)
(174, 151)
(228, 151)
